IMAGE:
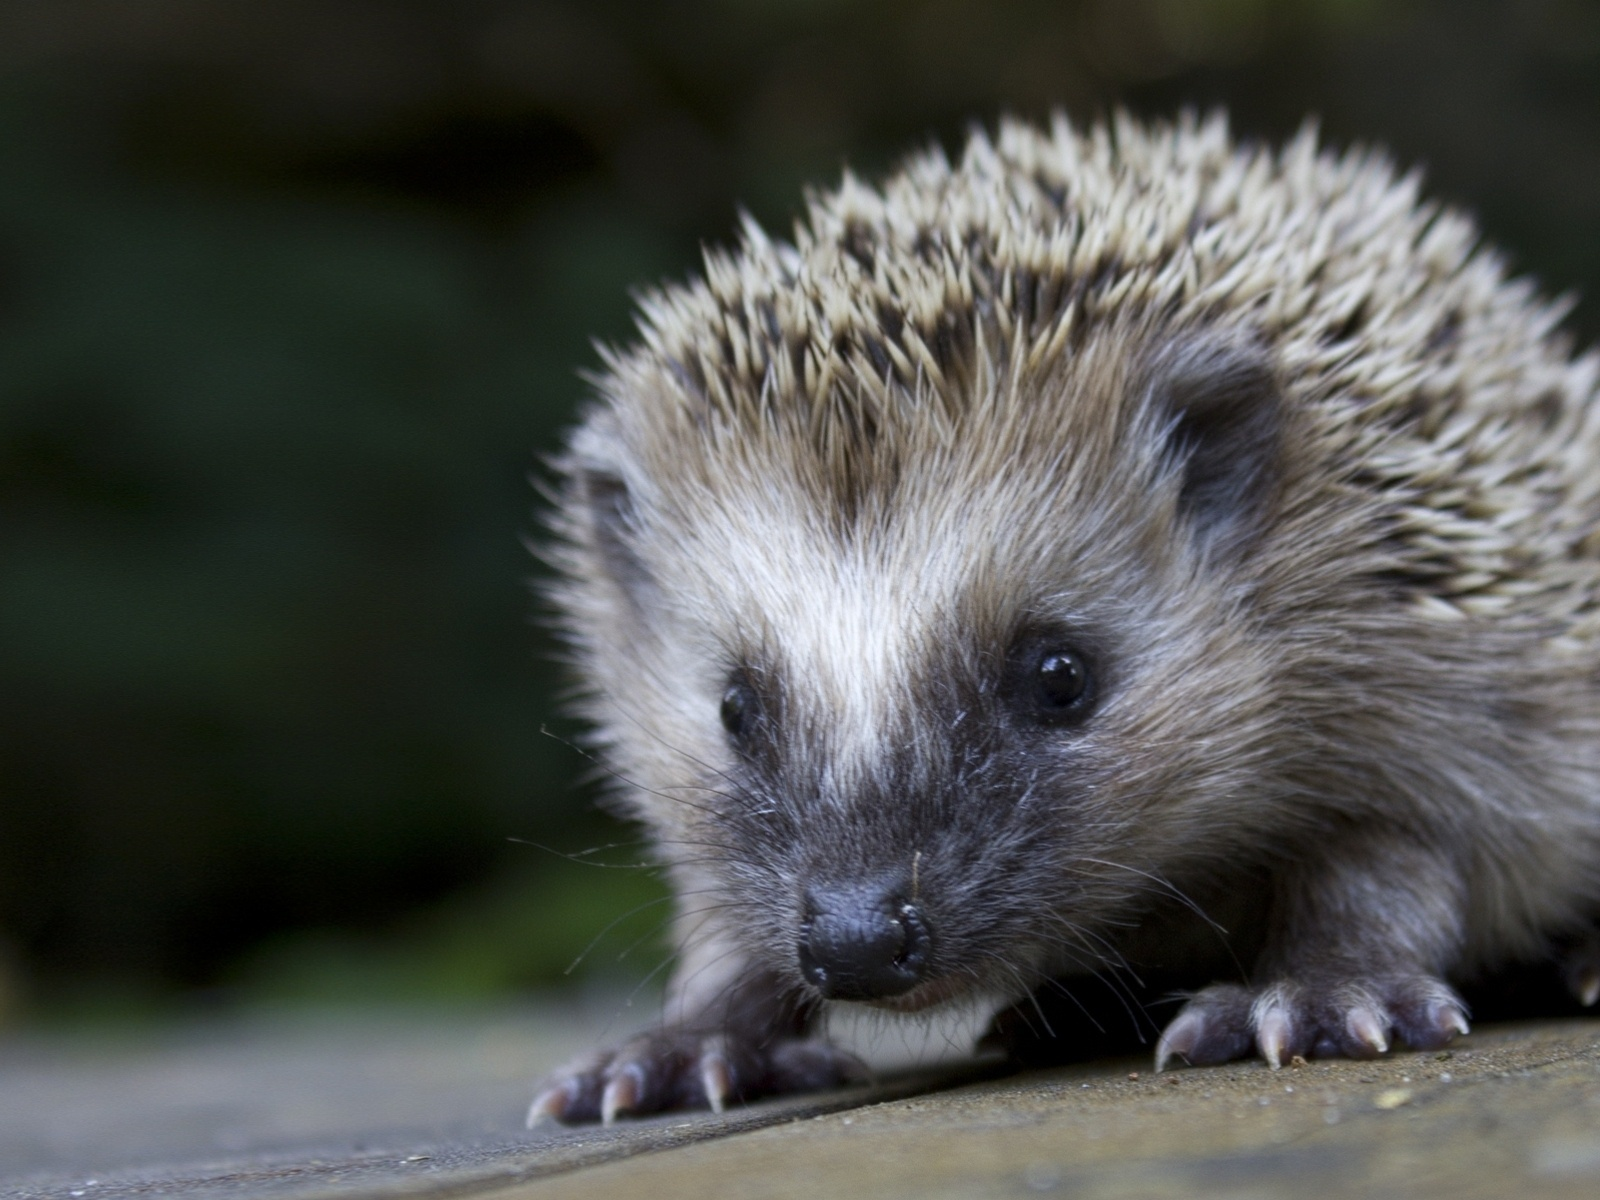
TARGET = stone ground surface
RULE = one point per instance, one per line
(431, 1106)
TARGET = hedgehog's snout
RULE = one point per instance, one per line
(863, 942)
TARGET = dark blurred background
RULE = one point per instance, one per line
(293, 297)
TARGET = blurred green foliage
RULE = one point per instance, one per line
(292, 298)
(264, 626)
(485, 940)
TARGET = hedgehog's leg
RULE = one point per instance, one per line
(749, 1040)
(1361, 940)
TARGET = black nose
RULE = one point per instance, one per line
(862, 943)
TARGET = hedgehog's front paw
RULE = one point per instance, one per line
(675, 1069)
(1353, 1018)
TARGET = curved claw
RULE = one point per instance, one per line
(1582, 971)
(569, 1095)
(623, 1092)
(1179, 1039)
(716, 1073)
(549, 1105)
(1213, 1027)
(1274, 1029)
(1586, 986)
(1367, 1030)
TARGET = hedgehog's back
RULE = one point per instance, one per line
(1426, 375)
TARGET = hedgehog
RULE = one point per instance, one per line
(1121, 556)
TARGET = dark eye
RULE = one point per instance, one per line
(737, 707)
(1061, 684)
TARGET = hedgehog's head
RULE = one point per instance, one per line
(920, 687)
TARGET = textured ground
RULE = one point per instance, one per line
(432, 1105)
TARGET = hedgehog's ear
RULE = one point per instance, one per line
(609, 506)
(1220, 410)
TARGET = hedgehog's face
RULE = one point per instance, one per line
(937, 747)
